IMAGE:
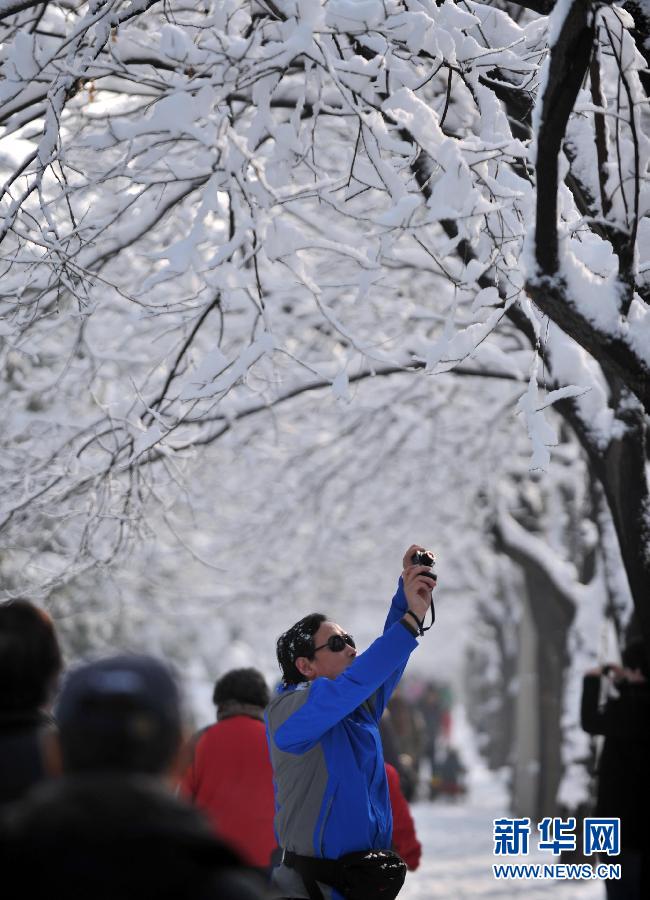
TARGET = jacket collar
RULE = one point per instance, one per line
(234, 708)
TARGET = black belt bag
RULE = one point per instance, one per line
(363, 875)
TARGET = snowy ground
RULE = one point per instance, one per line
(457, 845)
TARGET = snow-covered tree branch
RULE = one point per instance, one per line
(212, 208)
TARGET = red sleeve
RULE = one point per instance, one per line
(405, 840)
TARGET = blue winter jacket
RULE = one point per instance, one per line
(330, 781)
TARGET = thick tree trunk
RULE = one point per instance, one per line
(552, 613)
(621, 465)
(622, 471)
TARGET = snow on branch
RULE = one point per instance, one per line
(523, 544)
(595, 310)
(355, 180)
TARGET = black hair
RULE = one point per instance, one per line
(298, 641)
(242, 685)
(30, 657)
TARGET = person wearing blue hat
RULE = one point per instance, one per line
(121, 714)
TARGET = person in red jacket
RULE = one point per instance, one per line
(230, 777)
(405, 839)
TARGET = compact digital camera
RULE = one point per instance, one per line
(425, 558)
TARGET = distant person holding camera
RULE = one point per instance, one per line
(333, 817)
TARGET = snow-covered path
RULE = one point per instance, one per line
(457, 845)
(457, 859)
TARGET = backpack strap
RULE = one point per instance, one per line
(312, 870)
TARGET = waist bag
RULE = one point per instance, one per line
(363, 875)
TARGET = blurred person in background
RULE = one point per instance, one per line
(448, 779)
(623, 766)
(430, 707)
(409, 729)
(110, 828)
(390, 747)
(30, 665)
(230, 776)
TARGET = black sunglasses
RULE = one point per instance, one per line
(337, 642)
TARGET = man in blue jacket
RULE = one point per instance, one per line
(331, 790)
